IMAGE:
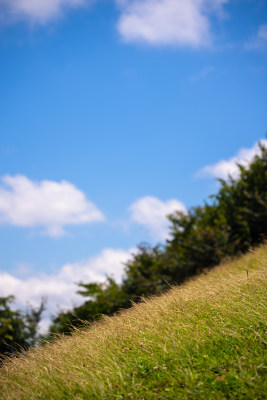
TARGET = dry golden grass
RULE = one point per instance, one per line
(203, 340)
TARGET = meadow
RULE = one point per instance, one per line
(205, 339)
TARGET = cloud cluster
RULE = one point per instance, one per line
(156, 22)
(161, 22)
(46, 204)
(53, 205)
(39, 11)
(152, 213)
(60, 289)
(225, 168)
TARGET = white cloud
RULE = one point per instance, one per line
(225, 168)
(164, 22)
(60, 289)
(47, 204)
(152, 214)
(156, 22)
(38, 10)
(260, 41)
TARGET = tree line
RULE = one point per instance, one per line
(228, 224)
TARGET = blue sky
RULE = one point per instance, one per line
(114, 113)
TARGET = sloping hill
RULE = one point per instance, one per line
(204, 340)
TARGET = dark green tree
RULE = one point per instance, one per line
(145, 273)
(234, 220)
(243, 202)
(18, 330)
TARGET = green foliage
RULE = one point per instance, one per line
(199, 241)
(231, 222)
(243, 202)
(18, 330)
(145, 273)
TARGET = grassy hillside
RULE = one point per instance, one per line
(204, 340)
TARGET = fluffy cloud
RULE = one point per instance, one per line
(160, 22)
(152, 214)
(38, 10)
(47, 204)
(60, 289)
(260, 41)
(225, 168)
(156, 22)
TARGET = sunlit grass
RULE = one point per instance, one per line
(204, 340)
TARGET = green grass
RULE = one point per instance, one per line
(204, 340)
